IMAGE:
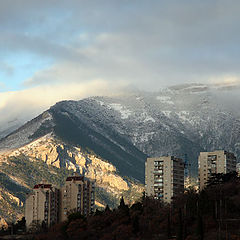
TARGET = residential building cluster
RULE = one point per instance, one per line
(164, 176)
(164, 179)
(49, 205)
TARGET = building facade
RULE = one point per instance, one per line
(77, 195)
(48, 205)
(164, 177)
(238, 168)
(214, 162)
(42, 205)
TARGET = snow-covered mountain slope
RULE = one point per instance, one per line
(181, 120)
(70, 121)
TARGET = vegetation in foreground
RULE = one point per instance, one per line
(214, 213)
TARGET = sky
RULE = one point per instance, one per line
(52, 50)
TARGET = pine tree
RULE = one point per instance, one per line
(122, 203)
(107, 209)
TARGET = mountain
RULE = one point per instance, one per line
(71, 122)
(49, 158)
(122, 131)
(181, 120)
(55, 144)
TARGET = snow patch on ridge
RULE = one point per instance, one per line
(183, 115)
(167, 113)
(165, 99)
(100, 102)
(146, 118)
(125, 113)
(149, 118)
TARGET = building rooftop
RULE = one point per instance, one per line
(42, 185)
(75, 178)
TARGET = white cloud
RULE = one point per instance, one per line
(226, 80)
(146, 43)
(29, 103)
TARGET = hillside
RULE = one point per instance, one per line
(121, 131)
(49, 159)
(180, 120)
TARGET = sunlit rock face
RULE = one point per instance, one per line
(55, 153)
(50, 159)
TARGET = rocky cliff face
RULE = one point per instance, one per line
(50, 159)
(55, 153)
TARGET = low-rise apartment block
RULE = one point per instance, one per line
(164, 177)
(214, 162)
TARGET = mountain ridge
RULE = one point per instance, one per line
(160, 123)
(121, 131)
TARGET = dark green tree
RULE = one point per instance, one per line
(107, 209)
(180, 225)
(122, 203)
(169, 227)
(135, 224)
(200, 230)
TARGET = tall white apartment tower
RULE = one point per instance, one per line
(77, 195)
(164, 177)
(42, 205)
(214, 162)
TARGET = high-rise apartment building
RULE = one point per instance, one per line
(164, 177)
(77, 195)
(214, 162)
(49, 205)
(42, 205)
